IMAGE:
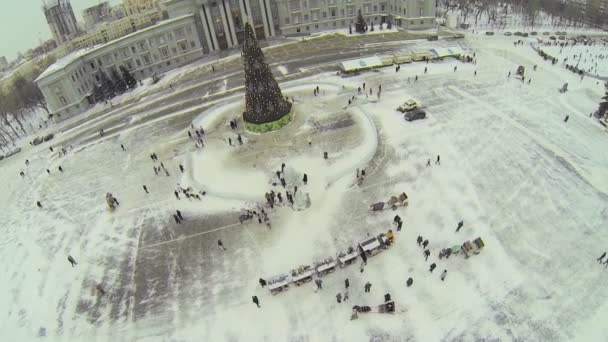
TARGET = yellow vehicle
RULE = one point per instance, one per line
(404, 58)
(408, 105)
(421, 56)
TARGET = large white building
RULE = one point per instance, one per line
(68, 84)
(207, 26)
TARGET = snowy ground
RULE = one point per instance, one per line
(592, 59)
(533, 187)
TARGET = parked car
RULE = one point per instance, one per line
(49, 137)
(518, 33)
(552, 38)
(546, 33)
(416, 114)
(533, 33)
(459, 35)
(37, 141)
(433, 38)
(408, 105)
(561, 33)
(561, 38)
(507, 33)
(489, 33)
(525, 34)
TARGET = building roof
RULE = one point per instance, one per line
(75, 55)
(361, 63)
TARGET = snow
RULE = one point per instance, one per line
(583, 57)
(531, 186)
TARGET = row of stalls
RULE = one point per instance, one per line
(354, 66)
(305, 273)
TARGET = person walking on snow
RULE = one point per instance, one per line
(606, 263)
(566, 118)
(368, 287)
(433, 265)
(426, 253)
(181, 168)
(256, 301)
(428, 162)
(601, 257)
(262, 282)
(305, 179)
(230, 141)
(339, 298)
(319, 284)
(438, 161)
(179, 214)
(176, 194)
(409, 282)
(419, 240)
(220, 244)
(346, 283)
(123, 147)
(444, 274)
(240, 140)
(39, 204)
(60, 168)
(176, 219)
(460, 224)
(425, 243)
(72, 261)
(145, 189)
(48, 171)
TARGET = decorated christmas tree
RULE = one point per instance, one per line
(360, 23)
(264, 102)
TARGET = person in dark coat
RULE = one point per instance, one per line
(179, 214)
(339, 298)
(220, 244)
(72, 261)
(364, 257)
(60, 168)
(428, 162)
(280, 197)
(419, 240)
(438, 161)
(305, 179)
(48, 171)
(123, 147)
(176, 219)
(425, 243)
(319, 284)
(598, 259)
(368, 287)
(399, 225)
(100, 289)
(282, 167)
(230, 141)
(346, 283)
(145, 189)
(189, 134)
(181, 168)
(460, 224)
(256, 301)
(433, 265)
(566, 118)
(40, 206)
(444, 274)
(176, 194)
(397, 219)
(278, 174)
(240, 139)
(409, 282)
(283, 182)
(325, 155)
(262, 282)
(427, 253)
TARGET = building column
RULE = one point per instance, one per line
(270, 20)
(205, 29)
(231, 22)
(208, 24)
(227, 30)
(264, 21)
(246, 13)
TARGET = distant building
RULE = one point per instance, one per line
(139, 6)
(108, 31)
(68, 84)
(60, 17)
(97, 14)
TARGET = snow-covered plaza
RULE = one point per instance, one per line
(532, 186)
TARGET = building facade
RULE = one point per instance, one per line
(68, 84)
(62, 22)
(306, 16)
(139, 6)
(100, 13)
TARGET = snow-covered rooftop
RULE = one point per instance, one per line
(75, 55)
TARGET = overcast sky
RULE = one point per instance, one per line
(23, 25)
